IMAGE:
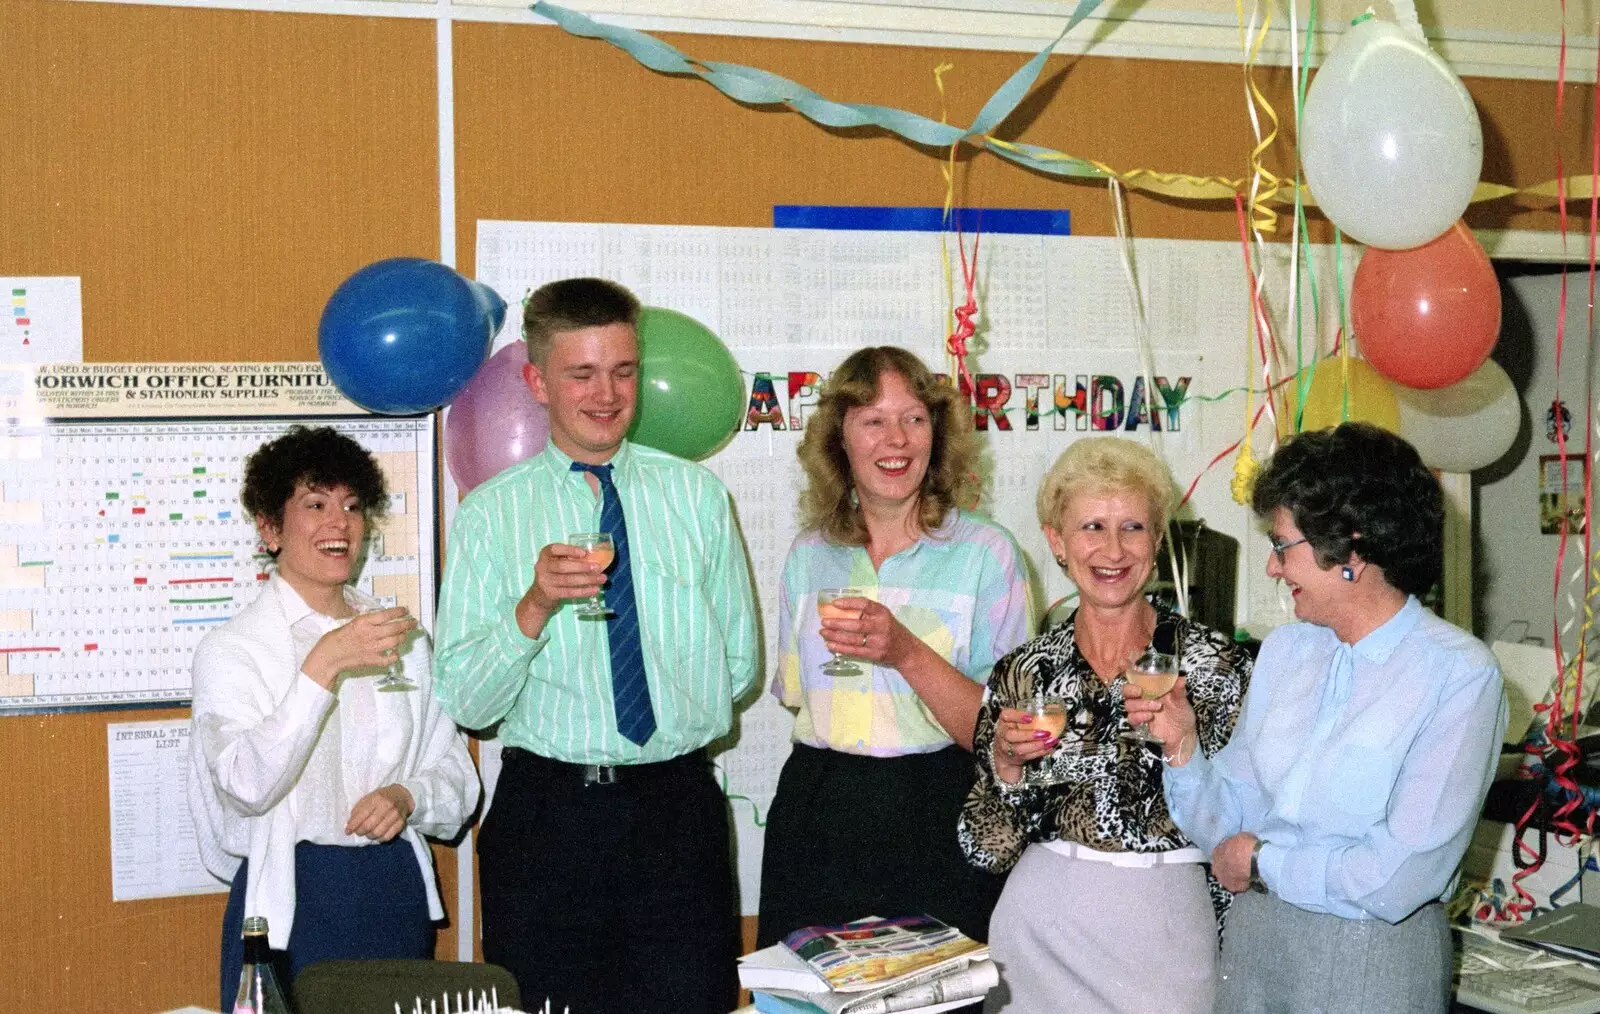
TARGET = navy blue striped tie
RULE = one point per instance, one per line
(630, 692)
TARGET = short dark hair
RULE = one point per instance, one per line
(319, 457)
(573, 304)
(1359, 489)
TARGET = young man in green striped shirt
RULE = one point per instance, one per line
(606, 876)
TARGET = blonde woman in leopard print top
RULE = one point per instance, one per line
(1108, 907)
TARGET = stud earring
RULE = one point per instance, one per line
(1061, 562)
(1347, 573)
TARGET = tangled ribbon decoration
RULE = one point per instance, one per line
(965, 327)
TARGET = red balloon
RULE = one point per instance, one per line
(1427, 317)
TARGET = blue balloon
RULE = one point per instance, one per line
(405, 335)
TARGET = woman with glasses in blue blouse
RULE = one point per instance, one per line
(1341, 807)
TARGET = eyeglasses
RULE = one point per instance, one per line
(1279, 548)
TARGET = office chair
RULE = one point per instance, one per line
(374, 987)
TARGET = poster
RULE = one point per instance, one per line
(1561, 503)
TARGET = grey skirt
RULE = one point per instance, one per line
(1074, 936)
(1279, 959)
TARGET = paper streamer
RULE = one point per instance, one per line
(759, 87)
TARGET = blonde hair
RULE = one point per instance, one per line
(1107, 465)
(828, 504)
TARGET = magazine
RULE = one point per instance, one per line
(873, 953)
(948, 991)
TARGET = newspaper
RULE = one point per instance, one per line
(948, 989)
(872, 953)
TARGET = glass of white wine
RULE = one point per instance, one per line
(598, 549)
(838, 665)
(394, 678)
(1154, 673)
(1049, 715)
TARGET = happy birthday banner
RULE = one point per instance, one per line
(1100, 402)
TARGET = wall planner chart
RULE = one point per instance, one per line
(122, 543)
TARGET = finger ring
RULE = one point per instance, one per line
(863, 639)
(1009, 751)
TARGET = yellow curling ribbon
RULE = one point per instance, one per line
(1245, 470)
(947, 169)
(1264, 184)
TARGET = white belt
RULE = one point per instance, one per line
(1138, 860)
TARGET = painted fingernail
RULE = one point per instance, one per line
(1027, 719)
(1042, 734)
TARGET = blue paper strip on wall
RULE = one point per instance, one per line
(1025, 221)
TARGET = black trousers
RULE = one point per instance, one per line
(849, 836)
(611, 898)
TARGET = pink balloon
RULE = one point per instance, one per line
(495, 421)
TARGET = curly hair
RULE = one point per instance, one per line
(1359, 489)
(827, 504)
(573, 304)
(319, 457)
(1107, 464)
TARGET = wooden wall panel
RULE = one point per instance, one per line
(551, 127)
(211, 175)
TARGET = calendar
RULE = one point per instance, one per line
(122, 543)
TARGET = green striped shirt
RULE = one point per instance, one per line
(697, 617)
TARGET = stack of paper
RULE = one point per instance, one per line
(915, 965)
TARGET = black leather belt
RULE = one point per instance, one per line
(600, 774)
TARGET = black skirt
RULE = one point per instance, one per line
(850, 836)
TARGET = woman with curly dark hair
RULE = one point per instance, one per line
(1349, 792)
(886, 683)
(310, 788)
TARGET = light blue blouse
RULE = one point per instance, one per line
(1361, 767)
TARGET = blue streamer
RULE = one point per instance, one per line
(752, 86)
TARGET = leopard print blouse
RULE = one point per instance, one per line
(1111, 800)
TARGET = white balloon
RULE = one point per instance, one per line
(1468, 425)
(1389, 138)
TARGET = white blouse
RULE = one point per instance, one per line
(275, 759)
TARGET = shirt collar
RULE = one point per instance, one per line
(938, 538)
(1381, 643)
(295, 608)
(560, 462)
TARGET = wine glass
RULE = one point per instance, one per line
(598, 549)
(1049, 713)
(394, 678)
(838, 665)
(1154, 673)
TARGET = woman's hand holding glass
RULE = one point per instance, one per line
(1169, 717)
(1020, 738)
(368, 641)
(860, 628)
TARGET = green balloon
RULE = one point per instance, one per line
(691, 394)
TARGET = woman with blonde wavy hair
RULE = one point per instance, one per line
(886, 688)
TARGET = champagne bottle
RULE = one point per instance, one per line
(258, 984)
